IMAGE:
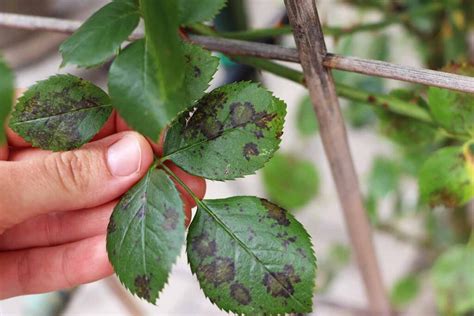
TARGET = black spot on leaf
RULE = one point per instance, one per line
(275, 212)
(197, 71)
(221, 270)
(241, 114)
(240, 293)
(171, 219)
(263, 119)
(203, 246)
(141, 212)
(112, 226)
(250, 149)
(142, 286)
(281, 284)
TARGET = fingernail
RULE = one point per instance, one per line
(124, 157)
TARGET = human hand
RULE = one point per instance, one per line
(55, 207)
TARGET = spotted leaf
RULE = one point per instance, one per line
(61, 113)
(145, 234)
(447, 178)
(251, 256)
(193, 11)
(6, 96)
(135, 88)
(99, 38)
(233, 132)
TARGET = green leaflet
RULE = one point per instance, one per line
(306, 121)
(145, 234)
(163, 44)
(232, 133)
(99, 38)
(405, 291)
(193, 11)
(447, 178)
(453, 279)
(62, 112)
(6, 96)
(290, 181)
(251, 256)
(134, 86)
(452, 110)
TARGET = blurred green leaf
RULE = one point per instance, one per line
(384, 177)
(453, 279)
(452, 110)
(405, 291)
(6, 96)
(447, 177)
(403, 130)
(306, 121)
(290, 181)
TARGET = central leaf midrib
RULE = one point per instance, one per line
(244, 246)
(186, 148)
(60, 114)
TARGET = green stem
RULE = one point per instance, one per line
(272, 67)
(181, 183)
(387, 102)
(393, 104)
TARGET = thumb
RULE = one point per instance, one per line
(84, 178)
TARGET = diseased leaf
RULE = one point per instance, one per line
(6, 96)
(62, 112)
(290, 181)
(453, 279)
(405, 291)
(99, 38)
(447, 178)
(232, 133)
(193, 11)
(145, 234)
(134, 87)
(251, 256)
(164, 45)
(306, 118)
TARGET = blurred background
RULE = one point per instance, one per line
(387, 150)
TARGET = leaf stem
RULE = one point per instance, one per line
(179, 181)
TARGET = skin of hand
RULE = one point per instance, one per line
(55, 207)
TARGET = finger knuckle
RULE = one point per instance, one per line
(72, 169)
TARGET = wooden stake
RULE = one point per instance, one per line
(309, 39)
